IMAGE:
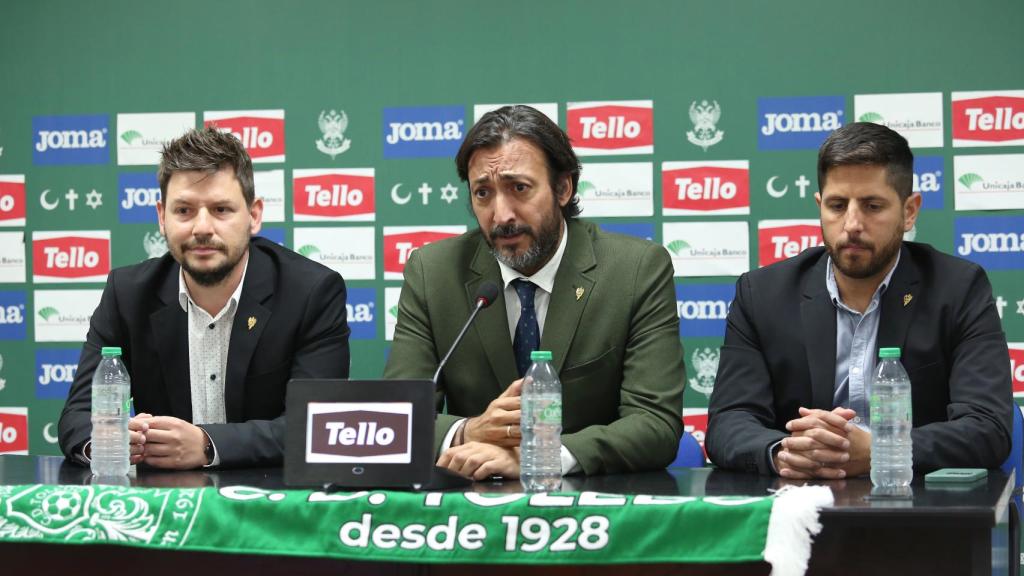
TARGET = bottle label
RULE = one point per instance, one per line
(551, 413)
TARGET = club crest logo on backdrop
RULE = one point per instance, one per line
(704, 118)
(154, 244)
(332, 126)
(705, 363)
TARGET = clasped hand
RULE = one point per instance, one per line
(166, 442)
(825, 445)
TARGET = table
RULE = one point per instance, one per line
(939, 531)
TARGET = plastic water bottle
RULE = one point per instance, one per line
(111, 390)
(540, 456)
(891, 420)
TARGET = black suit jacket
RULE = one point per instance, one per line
(780, 354)
(299, 330)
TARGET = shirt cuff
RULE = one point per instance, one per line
(450, 436)
(569, 463)
(216, 455)
(771, 452)
(81, 455)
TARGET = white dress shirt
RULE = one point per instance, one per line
(208, 341)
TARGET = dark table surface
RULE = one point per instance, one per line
(982, 501)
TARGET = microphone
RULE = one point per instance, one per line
(486, 294)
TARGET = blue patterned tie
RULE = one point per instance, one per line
(527, 331)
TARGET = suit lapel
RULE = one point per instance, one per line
(818, 319)
(491, 325)
(169, 326)
(897, 305)
(572, 290)
(251, 318)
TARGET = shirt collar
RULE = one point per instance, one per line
(184, 298)
(833, 288)
(545, 277)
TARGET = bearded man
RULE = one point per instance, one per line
(603, 304)
(211, 332)
(792, 394)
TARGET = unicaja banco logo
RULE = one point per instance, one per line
(970, 179)
(676, 247)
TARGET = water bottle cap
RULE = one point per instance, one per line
(888, 352)
(111, 351)
(538, 355)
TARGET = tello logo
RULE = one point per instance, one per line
(344, 194)
(12, 200)
(695, 422)
(70, 256)
(1017, 367)
(605, 128)
(14, 430)
(988, 118)
(260, 131)
(359, 432)
(778, 240)
(697, 188)
(401, 241)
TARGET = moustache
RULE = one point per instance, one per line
(856, 244)
(509, 230)
(192, 244)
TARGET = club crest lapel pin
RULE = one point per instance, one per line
(907, 298)
(579, 293)
(252, 322)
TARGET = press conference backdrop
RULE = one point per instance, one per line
(697, 123)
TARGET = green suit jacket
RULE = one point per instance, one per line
(611, 326)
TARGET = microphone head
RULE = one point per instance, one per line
(487, 293)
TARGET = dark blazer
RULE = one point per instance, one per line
(780, 354)
(611, 326)
(299, 330)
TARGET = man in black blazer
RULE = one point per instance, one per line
(212, 331)
(802, 335)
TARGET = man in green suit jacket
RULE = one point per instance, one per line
(604, 305)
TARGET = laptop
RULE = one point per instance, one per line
(362, 434)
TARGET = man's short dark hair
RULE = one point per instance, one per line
(509, 122)
(869, 144)
(207, 150)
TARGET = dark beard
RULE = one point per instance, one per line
(544, 244)
(881, 257)
(212, 277)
